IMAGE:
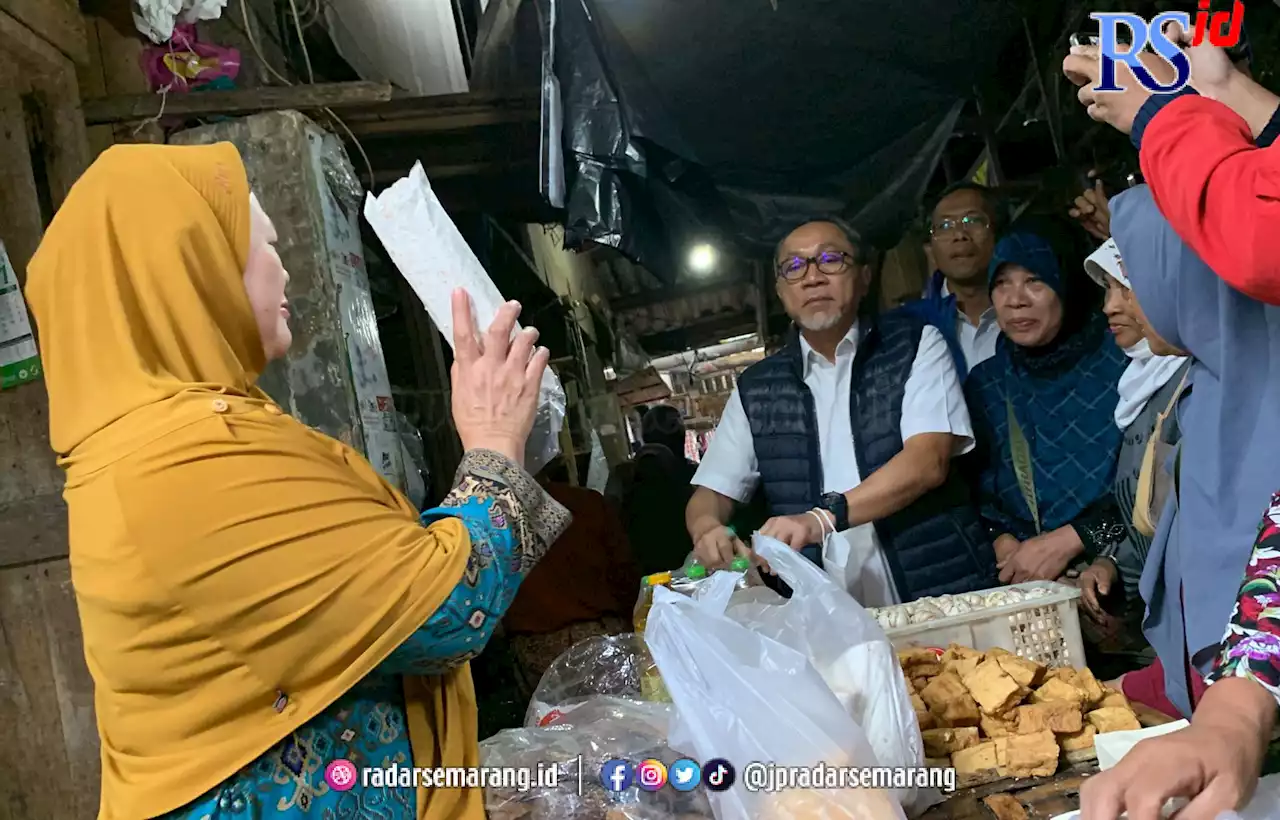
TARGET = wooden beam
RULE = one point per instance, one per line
(444, 121)
(408, 105)
(444, 113)
(698, 334)
(57, 22)
(645, 395)
(647, 298)
(228, 103)
(387, 176)
(34, 54)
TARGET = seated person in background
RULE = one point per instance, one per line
(586, 584)
(851, 428)
(652, 490)
(1149, 389)
(1044, 413)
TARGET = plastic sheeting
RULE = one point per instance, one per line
(413, 44)
(733, 119)
(157, 18)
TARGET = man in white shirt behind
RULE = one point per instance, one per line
(851, 429)
(962, 234)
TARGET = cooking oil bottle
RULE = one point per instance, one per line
(651, 687)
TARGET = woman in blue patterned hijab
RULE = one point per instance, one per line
(1043, 410)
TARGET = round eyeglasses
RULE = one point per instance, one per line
(829, 263)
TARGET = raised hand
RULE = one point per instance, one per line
(495, 379)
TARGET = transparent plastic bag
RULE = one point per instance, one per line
(744, 696)
(601, 729)
(414, 454)
(598, 467)
(602, 665)
(435, 259)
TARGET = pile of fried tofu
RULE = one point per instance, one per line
(995, 714)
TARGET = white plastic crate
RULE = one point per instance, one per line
(1044, 629)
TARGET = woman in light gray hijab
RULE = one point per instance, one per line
(1148, 389)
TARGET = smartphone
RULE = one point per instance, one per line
(1116, 178)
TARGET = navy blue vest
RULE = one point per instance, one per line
(935, 545)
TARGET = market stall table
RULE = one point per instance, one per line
(1038, 797)
(1030, 798)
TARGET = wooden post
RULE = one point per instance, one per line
(46, 695)
(762, 283)
(241, 101)
(114, 68)
(444, 449)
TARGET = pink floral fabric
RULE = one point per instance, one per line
(1251, 645)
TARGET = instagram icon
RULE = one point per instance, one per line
(651, 774)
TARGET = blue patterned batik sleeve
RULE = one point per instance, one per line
(511, 522)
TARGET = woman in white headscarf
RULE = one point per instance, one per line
(1148, 390)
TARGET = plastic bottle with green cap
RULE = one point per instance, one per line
(740, 564)
(695, 572)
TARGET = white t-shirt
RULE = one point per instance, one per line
(933, 402)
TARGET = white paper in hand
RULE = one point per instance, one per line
(433, 257)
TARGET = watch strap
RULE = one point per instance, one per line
(838, 506)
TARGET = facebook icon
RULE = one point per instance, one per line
(615, 775)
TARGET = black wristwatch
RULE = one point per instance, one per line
(838, 506)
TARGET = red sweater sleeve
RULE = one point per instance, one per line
(1218, 191)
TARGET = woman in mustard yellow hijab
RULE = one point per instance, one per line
(263, 616)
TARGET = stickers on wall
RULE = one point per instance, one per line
(19, 358)
(360, 325)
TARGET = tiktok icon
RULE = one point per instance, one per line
(718, 775)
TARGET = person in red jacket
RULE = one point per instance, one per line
(1205, 153)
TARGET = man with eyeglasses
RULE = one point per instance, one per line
(962, 235)
(851, 429)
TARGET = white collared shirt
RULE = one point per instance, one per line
(933, 402)
(977, 342)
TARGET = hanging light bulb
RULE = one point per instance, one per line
(702, 258)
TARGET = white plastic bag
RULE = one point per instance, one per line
(743, 696)
(157, 18)
(844, 554)
(847, 647)
(431, 254)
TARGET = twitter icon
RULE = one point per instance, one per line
(685, 775)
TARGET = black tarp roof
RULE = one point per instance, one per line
(733, 120)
